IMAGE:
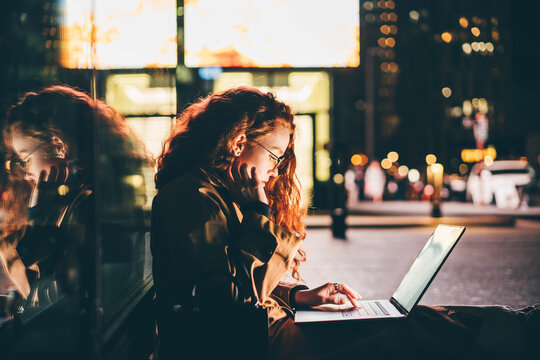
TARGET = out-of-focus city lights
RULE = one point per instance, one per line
(385, 29)
(359, 159)
(475, 46)
(381, 42)
(446, 37)
(437, 168)
(495, 35)
(393, 156)
(356, 159)
(488, 160)
(414, 15)
(523, 159)
(338, 179)
(381, 4)
(483, 106)
(392, 17)
(447, 92)
(490, 47)
(390, 5)
(475, 155)
(386, 164)
(431, 159)
(467, 49)
(390, 42)
(429, 190)
(482, 46)
(393, 67)
(463, 22)
(384, 16)
(475, 31)
(393, 29)
(456, 111)
(463, 169)
(414, 175)
(403, 170)
(368, 5)
(467, 108)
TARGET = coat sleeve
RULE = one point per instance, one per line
(267, 250)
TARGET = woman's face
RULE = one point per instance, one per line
(264, 153)
(31, 153)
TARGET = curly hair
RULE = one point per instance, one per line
(204, 136)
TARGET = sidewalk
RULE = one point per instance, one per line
(417, 213)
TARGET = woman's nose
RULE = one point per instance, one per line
(274, 172)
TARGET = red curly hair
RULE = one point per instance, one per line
(204, 135)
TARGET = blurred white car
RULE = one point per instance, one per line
(499, 181)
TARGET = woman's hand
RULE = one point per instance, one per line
(326, 294)
(47, 186)
(246, 188)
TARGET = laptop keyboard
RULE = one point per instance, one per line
(367, 309)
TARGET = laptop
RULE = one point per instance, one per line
(415, 283)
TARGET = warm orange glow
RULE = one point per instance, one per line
(390, 42)
(381, 42)
(463, 22)
(446, 91)
(446, 36)
(475, 31)
(385, 29)
(356, 159)
(393, 67)
(271, 33)
(403, 170)
(390, 4)
(134, 34)
(431, 159)
(393, 156)
(475, 155)
(392, 17)
(393, 29)
(386, 164)
(384, 67)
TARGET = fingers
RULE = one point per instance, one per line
(42, 177)
(351, 294)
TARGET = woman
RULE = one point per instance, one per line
(228, 203)
(54, 137)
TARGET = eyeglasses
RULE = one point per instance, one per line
(274, 157)
(23, 163)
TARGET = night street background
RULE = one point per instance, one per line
(490, 265)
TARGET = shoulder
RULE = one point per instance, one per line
(190, 196)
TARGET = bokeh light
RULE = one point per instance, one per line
(431, 159)
(393, 156)
(386, 164)
(414, 175)
(475, 31)
(463, 22)
(446, 91)
(338, 179)
(403, 170)
(446, 37)
(467, 49)
(437, 168)
(463, 169)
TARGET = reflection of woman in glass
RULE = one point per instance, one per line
(227, 203)
(52, 135)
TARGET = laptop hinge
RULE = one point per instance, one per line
(399, 307)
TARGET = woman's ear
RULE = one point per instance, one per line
(59, 147)
(239, 144)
